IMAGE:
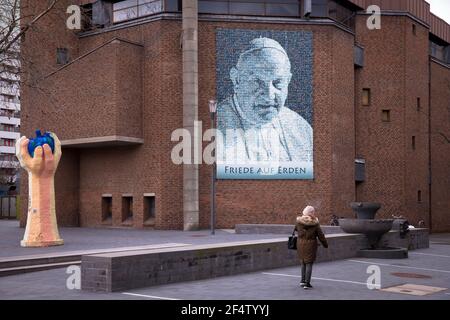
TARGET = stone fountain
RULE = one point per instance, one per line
(374, 229)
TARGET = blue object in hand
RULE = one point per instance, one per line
(40, 140)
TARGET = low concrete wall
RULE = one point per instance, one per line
(134, 269)
(415, 239)
(277, 229)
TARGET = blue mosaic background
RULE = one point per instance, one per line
(230, 43)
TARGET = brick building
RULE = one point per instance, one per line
(116, 90)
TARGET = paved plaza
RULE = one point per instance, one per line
(342, 279)
(79, 239)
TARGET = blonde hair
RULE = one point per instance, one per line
(309, 211)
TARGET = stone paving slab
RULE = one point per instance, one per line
(80, 239)
(336, 280)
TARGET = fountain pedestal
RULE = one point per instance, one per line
(374, 229)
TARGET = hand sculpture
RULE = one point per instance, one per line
(41, 229)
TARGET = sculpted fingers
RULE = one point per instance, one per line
(57, 154)
(48, 155)
(36, 163)
(49, 159)
(38, 153)
(22, 152)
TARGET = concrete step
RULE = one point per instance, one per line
(37, 267)
(32, 263)
(27, 263)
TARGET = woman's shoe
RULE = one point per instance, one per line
(302, 284)
(307, 286)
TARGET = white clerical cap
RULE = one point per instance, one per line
(264, 43)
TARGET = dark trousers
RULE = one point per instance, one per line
(306, 272)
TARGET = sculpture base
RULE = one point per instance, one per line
(38, 244)
(384, 253)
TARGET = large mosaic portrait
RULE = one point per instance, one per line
(265, 112)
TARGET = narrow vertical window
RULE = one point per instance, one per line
(127, 208)
(366, 97)
(106, 208)
(62, 56)
(413, 142)
(149, 208)
(386, 115)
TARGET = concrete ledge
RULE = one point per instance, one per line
(277, 229)
(106, 141)
(134, 269)
(71, 256)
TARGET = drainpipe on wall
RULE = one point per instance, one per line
(429, 147)
(190, 112)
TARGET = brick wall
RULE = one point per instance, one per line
(440, 147)
(396, 71)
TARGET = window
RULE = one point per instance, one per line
(213, 7)
(127, 208)
(282, 9)
(319, 9)
(7, 127)
(338, 12)
(7, 98)
(8, 142)
(173, 5)
(386, 115)
(7, 171)
(149, 208)
(247, 8)
(7, 157)
(131, 9)
(148, 7)
(414, 31)
(439, 49)
(86, 14)
(62, 56)
(413, 142)
(419, 196)
(278, 8)
(360, 170)
(7, 113)
(418, 104)
(107, 208)
(366, 97)
(9, 81)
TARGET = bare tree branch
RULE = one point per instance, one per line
(26, 27)
(444, 136)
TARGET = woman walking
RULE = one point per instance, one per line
(308, 229)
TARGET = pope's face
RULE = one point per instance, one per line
(261, 84)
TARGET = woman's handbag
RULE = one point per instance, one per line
(292, 242)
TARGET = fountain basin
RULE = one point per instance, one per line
(365, 210)
(366, 226)
(373, 229)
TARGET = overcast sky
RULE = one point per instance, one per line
(441, 8)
